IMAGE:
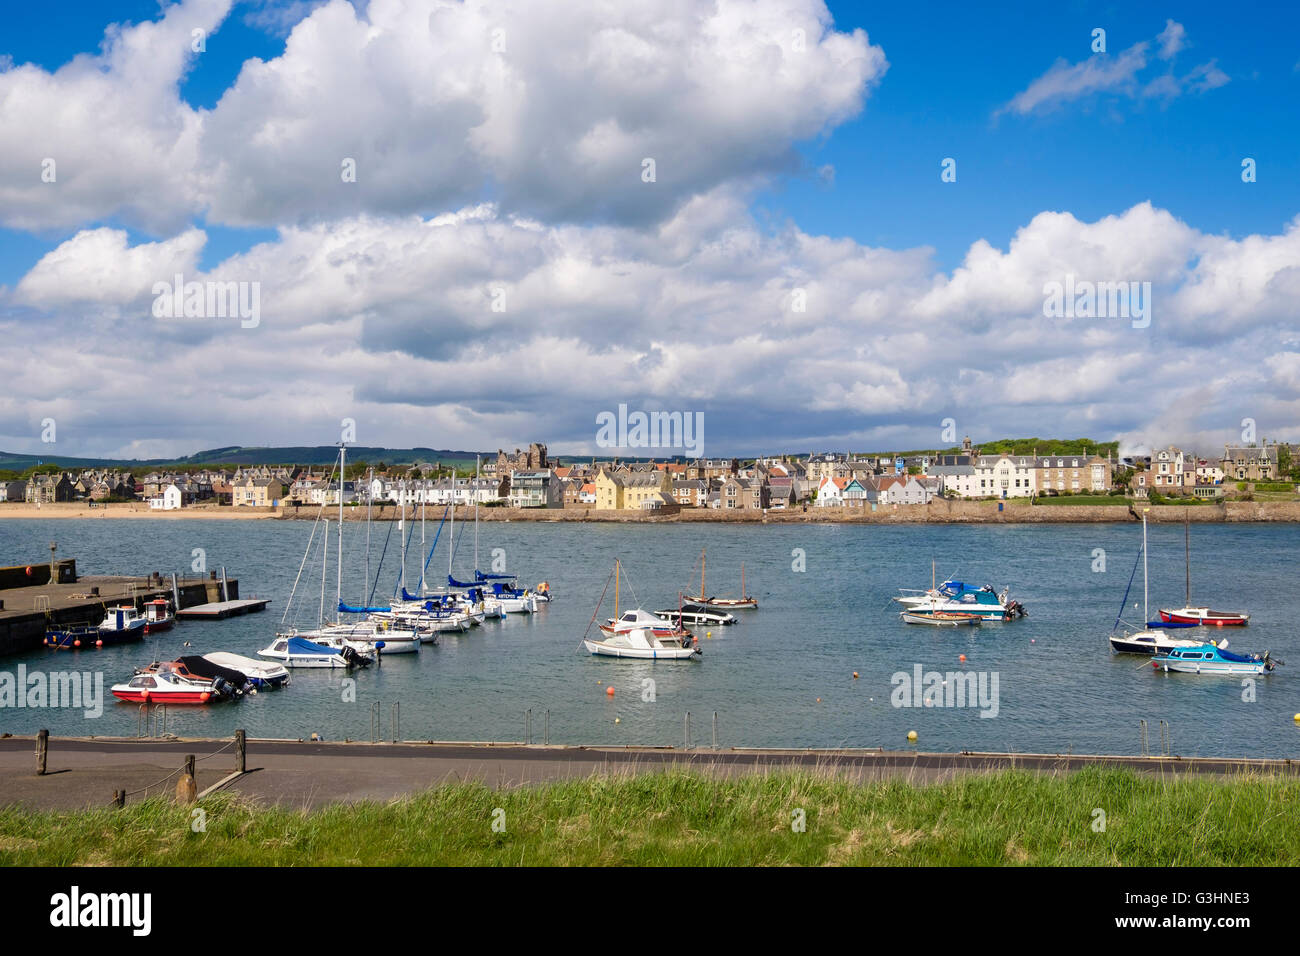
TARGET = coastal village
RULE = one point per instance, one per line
(533, 479)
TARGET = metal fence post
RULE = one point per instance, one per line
(395, 718)
(715, 730)
(686, 732)
(1142, 733)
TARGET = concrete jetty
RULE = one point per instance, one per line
(58, 597)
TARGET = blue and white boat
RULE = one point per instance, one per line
(956, 597)
(1211, 658)
(300, 652)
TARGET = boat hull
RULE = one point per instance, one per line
(602, 649)
(941, 618)
(1205, 617)
(133, 696)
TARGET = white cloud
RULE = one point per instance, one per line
(1116, 76)
(551, 107)
(389, 321)
(1171, 39)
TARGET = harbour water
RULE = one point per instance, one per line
(783, 677)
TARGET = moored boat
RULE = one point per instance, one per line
(1205, 617)
(259, 673)
(166, 688)
(638, 634)
(1202, 616)
(74, 638)
(694, 613)
(296, 651)
(122, 623)
(1210, 658)
(940, 618)
(158, 616)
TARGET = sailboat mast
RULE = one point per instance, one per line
(1187, 555)
(338, 585)
(1146, 614)
(401, 529)
(616, 576)
(370, 488)
(451, 532)
(476, 467)
(324, 564)
(742, 579)
(704, 560)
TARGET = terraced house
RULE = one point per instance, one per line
(1078, 473)
(257, 493)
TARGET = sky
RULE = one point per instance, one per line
(808, 226)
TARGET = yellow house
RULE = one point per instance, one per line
(609, 491)
(641, 487)
(258, 493)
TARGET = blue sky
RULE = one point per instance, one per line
(950, 71)
(782, 171)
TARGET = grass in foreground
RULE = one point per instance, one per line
(681, 819)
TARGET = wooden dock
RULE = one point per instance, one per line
(220, 610)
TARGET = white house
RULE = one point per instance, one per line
(169, 500)
(1004, 476)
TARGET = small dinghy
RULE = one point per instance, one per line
(940, 618)
(260, 673)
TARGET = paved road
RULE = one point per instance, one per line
(85, 772)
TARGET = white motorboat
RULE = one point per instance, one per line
(643, 643)
(638, 634)
(261, 673)
(297, 651)
(694, 613)
(167, 687)
(632, 620)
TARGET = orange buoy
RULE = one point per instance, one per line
(205, 696)
(961, 657)
(819, 700)
(29, 570)
(609, 692)
(144, 696)
(855, 675)
(77, 642)
(99, 643)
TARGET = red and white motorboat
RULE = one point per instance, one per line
(166, 687)
(1205, 617)
(158, 616)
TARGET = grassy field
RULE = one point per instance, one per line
(681, 819)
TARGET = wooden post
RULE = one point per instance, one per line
(187, 791)
(189, 764)
(42, 751)
(241, 747)
(119, 798)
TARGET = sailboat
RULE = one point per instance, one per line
(1145, 641)
(640, 635)
(1199, 615)
(744, 602)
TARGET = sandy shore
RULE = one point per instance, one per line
(127, 509)
(939, 511)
